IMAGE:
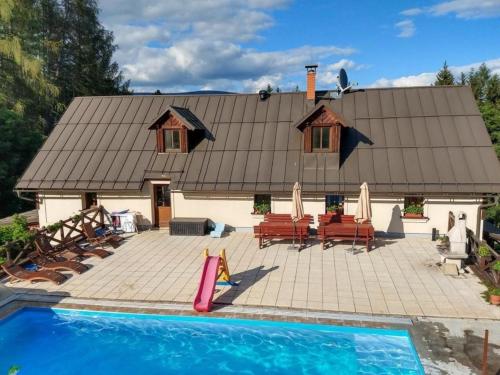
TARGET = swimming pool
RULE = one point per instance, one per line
(59, 341)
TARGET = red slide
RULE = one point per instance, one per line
(203, 300)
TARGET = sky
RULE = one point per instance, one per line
(244, 45)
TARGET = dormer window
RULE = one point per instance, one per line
(320, 138)
(172, 139)
(177, 129)
(322, 130)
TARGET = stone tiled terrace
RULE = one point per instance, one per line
(397, 277)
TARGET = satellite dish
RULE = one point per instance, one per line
(343, 81)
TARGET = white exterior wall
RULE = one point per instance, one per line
(236, 209)
(53, 207)
(60, 206)
(387, 214)
(141, 203)
(232, 209)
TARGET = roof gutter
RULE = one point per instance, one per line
(20, 196)
(479, 232)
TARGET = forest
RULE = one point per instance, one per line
(50, 52)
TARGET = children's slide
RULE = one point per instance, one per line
(209, 276)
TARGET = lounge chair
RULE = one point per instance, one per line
(45, 248)
(18, 273)
(95, 239)
(218, 230)
(57, 263)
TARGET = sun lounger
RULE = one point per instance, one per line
(18, 273)
(95, 239)
(45, 248)
(218, 230)
(55, 263)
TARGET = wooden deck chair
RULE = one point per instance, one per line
(55, 263)
(20, 274)
(94, 239)
(69, 251)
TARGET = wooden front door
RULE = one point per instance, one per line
(163, 209)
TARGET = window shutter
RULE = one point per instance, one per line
(159, 140)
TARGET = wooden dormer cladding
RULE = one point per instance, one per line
(173, 126)
(322, 130)
(176, 128)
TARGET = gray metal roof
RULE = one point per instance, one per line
(399, 140)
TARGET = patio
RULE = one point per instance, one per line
(398, 277)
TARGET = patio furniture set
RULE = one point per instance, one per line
(48, 260)
(331, 227)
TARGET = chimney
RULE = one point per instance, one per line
(311, 82)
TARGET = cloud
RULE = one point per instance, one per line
(190, 44)
(426, 79)
(466, 9)
(406, 28)
(328, 76)
(412, 12)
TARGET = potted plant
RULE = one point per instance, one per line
(52, 228)
(261, 208)
(483, 254)
(333, 208)
(496, 271)
(76, 218)
(414, 211)
(494, 296)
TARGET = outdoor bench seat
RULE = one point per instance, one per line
(286, 218)
(281, 230)
(346, 231)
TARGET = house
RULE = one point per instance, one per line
(214, 156)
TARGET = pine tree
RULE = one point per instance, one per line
(444, 76)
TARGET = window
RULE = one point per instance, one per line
(261, 204)
(414, 207)
(171, 139)
(334, 203)
(90, 200)
(321, 138)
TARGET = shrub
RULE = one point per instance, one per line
(484, 251)
(496, 266)
(493, 215)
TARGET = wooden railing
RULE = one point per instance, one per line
(71, 229)
(483, 265)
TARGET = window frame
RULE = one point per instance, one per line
(340, 199)
(412, 200)
(164, 135)
(321, 128)
(259, 199)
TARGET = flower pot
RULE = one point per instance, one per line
(495, 300)
(413, 216)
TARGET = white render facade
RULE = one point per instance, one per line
(235, 209)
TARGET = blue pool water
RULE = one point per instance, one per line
(57, 341)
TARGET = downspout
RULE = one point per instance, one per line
(479, 232)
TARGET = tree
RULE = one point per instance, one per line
(444, 76)
(50, 51)
(269, 88)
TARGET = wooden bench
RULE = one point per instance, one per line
(286, 218)
(346, 231)
(281, 230)
(324, 219)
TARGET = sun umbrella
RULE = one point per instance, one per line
(363, 210)
(297, 208)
